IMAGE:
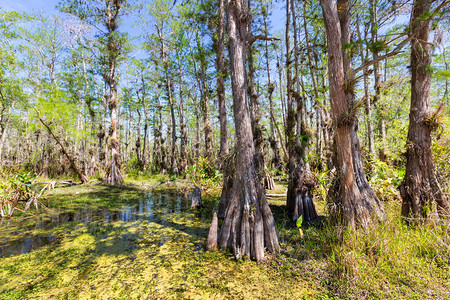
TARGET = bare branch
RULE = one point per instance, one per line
(261, 37)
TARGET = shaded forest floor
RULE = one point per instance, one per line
(141, 240)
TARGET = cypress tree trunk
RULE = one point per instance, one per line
(183, 134)
(248, 227)
(276, 162)
(224, 149)
(421, 186)
(226, 164)
(205, 99)
(291, 119)
(113, 175)
(168, 84)
(355, 201)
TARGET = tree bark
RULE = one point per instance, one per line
(224, 149)
(113, 175)
(353, 202)
(226, 163)
(367, 97)
(291, 118)
(205, 99)
(249, 226)
(421, 186)
(183, 134)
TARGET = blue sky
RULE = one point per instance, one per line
(29, 5)
(278, 19)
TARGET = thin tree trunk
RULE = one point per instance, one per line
(282, 100)
(273, 122)
(183, 135)
(291, 115)
(205, 99)
(165, 63)
(224, 148)
(367, 100)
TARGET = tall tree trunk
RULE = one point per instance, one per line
(226, 164)
(158, 150)
(205, 99)
(273, 122)
(291, 119)
(113, 175)
(257, 127)
(367, 97)
(282, 100)
(165, 63)
(183, 134)
(421, 186)
(197, 131)
(248, 227)
(220, 62)
(371, 203)
(141, 95)
(138, 138)
(298, 200)
(377, 74)
(352, 202)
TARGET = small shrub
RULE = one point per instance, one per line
(203, 172)
(18, 189)
(385, 180)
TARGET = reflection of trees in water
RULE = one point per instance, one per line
(165, 209)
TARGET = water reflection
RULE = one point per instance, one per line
(23, 236)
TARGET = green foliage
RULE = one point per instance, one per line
(441, 73)
(377, 46)
(18, 188)
(203, 172)
(386, 179)
(299, 221)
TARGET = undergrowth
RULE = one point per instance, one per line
(388, 260)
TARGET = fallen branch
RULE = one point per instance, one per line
(276, 195)
(83, 178)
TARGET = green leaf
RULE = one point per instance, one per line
(299, 221)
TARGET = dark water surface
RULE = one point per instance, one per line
(170, 210)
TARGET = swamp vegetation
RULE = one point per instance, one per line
(139, 241)
(225, 149)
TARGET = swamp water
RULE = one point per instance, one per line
(25, 235)
(127, 243)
